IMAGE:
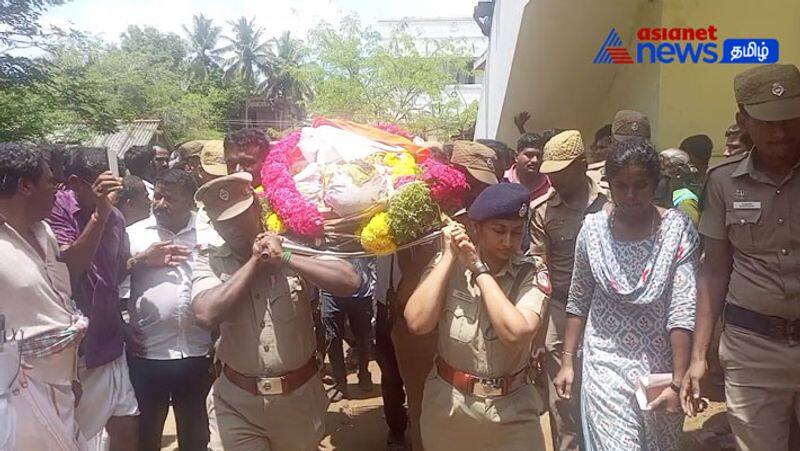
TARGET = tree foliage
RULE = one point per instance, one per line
(362, 77)
(194, 85)
(205, 56)
(250, 58)
(288, 86)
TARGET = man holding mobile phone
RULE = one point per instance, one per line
(95, 248)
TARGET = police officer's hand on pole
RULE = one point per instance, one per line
(466, 251)
(450, 250)
(268, 249)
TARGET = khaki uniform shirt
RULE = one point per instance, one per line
(271, 332)
(554, 228)
(761, 220)
(36, 297)
(467, 340)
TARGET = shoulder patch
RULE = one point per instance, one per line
(543, 282)
(728, 161)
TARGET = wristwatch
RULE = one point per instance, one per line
(480, 268)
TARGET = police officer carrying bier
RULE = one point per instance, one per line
(487, 303)
(269, 395)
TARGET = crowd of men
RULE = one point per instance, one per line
(160, 288)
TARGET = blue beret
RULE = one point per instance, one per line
(500, 201)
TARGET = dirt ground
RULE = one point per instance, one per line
(358, 424)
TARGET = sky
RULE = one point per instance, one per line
(109, 18)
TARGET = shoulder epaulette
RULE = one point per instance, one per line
(541, 200)
(728, 161)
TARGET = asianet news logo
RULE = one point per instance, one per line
(687, 45)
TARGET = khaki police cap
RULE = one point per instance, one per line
(226, 197)
(191, 148)
(770, 92)
(477, 159)
(212, 158)
(561, 150)
(629, 124)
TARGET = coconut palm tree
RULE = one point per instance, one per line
(287, 87)
(205, 57)
(250, 54)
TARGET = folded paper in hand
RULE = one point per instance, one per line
(649, 387)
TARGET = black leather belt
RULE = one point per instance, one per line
(773, 327)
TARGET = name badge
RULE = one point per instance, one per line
(747, 205)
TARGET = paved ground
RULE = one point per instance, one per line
(358, 424)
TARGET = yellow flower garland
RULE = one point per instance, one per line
(402, 164)
(377, 236)
(274, 224)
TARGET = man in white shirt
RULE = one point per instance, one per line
(175, 367)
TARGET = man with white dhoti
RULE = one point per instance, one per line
(40, 402)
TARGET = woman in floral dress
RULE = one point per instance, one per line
(633, 300)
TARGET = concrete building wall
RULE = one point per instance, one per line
(500, 55)
(699, 98)
(547, 70)
(540, 60)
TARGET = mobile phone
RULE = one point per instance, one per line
(113, 163)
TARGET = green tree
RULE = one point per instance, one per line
(288, 88)
(205, 58)
(20, 30)
(250, 57)
(159, 48)
(359, 76)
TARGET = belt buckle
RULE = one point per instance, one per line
(269, 385)
(488, 387)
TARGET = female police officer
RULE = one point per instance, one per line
(487, 303)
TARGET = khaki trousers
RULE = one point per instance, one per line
(452, 420)
(241, 421)
(762, 388)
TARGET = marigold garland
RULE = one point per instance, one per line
(274, 224)
(377, 236)
(402, 164)
(423, 186)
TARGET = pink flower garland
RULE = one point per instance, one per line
(394, 129)
(299, 215)
(447, 183)
(404, 179)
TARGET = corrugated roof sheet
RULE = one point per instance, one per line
(129, 134)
